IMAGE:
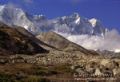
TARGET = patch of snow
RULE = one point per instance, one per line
(93, 21)
(77, 21)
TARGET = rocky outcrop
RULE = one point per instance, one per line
(98, 69)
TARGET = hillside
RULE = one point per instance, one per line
(61, 43)
(15, 42)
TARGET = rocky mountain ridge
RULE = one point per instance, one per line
(73, 24)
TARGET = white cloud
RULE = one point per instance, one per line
(111, 41)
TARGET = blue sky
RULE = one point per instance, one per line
(108, 11)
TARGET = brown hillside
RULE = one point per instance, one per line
(13, 41)
(61, 43)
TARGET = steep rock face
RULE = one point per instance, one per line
(16, 16)
(15, 42)
(98, 28)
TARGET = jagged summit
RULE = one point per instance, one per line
(76, 24)
(73, 24)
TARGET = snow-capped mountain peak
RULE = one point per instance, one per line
(11, 15)
(73, 24)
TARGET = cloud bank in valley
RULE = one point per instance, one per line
(111, 41)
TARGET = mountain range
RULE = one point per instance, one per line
(89, 33)
(73, 24)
